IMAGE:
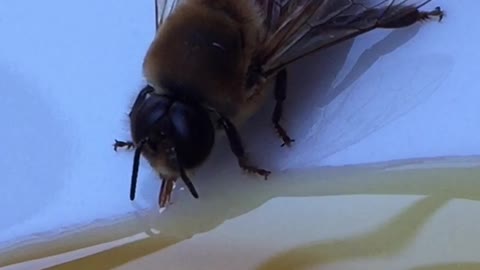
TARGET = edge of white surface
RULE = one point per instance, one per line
(166, 224)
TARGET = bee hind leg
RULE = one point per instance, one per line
(410, 15)
(122, 144)
(280, 96)
(237, 148)
(437, 12)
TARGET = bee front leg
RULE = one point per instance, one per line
(121, 144)
(280, 96)
(238, 150)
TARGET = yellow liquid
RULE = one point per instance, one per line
(438, 180)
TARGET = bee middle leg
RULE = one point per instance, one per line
(280, 92)
(122, 144)
(237, 148)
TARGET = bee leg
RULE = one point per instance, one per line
(280, 95)
(166, 189)
(254, 79)
(412, 16)
(437, 12)
(238, 150)
(121, 144)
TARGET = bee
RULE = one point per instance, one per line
(209, 64)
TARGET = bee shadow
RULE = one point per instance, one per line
(314, 82)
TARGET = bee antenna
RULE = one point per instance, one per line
(184, 176)
(156, 14)
(136, 163)
(188, 183)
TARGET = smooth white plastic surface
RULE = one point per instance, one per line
(69, 72)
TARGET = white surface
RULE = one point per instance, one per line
(70, 70)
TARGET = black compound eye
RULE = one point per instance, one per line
(194, 133)
(146, 115)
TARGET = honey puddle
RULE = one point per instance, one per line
(439, 180)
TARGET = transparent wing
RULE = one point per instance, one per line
(299, 27)
(277, 11)
(163, 8)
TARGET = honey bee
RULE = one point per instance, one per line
(210, 62)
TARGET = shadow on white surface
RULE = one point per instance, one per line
(68, 72)
(31, 128)
(342, 95)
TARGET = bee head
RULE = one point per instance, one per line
(167, 128)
